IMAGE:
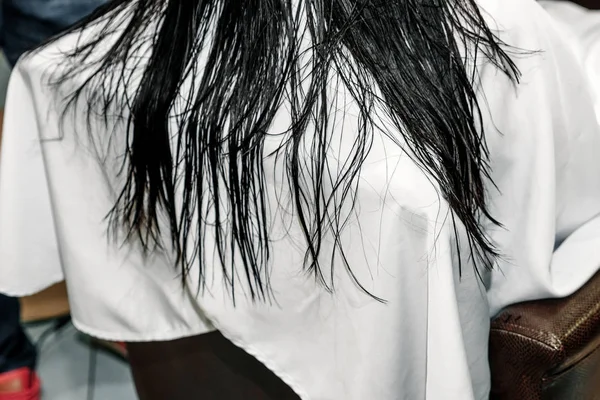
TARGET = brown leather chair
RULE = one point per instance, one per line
(548, 349)
(591, 4)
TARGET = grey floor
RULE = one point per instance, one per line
(70, 369)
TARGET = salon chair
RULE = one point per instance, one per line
(548, 349)
(591, 4)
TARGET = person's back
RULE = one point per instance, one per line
(334, 219)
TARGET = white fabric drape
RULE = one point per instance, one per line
(429, 341)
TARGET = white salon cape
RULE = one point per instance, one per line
(429, 340)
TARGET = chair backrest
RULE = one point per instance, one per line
(548, 349)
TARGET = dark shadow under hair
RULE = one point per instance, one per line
(409, 56)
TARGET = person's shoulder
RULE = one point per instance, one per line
(70, 59)
(47, 60)
(522, 24)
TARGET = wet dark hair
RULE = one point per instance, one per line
(414, 58)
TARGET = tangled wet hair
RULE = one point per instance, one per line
(410, 57)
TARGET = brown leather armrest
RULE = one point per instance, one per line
(548, 349)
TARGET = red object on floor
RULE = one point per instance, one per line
(117, 348)
(24, 378)
(123, 347)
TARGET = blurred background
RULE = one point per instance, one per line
(4, 73)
